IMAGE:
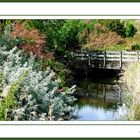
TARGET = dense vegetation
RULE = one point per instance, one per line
(35, 58)
(30, 89)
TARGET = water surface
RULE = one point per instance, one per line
(98, 99)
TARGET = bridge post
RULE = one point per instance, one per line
(104, 93)
(89, 63)
(104, 59)
(138, 55)
(120, 59)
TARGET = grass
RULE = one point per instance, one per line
(131, 80)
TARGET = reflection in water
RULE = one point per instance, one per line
(98, 100)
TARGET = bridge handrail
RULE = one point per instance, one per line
(104, 56)
(109, 54)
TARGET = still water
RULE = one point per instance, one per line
(98, 99)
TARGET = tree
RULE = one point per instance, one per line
(51, 29)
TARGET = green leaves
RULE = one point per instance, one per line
(1, 82)
(130, 30)
(51, 29)
(8, 101)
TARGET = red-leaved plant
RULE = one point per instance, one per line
(32, 40)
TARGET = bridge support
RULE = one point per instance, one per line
(104, 59)
(138, 55)
(121, 60)
(89, 59)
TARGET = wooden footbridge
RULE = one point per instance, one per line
(106, 59)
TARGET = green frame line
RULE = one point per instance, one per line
(70, 1)
(71, 138)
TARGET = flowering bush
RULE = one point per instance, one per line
(34, 94)
(30, 40)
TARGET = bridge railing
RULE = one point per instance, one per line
(108, 56)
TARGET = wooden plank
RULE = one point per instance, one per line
(129, 52)
(99, 55)
(82, 58)
(112, 52)
(130, 57)
(113, 59)
(81, 55)
(130, 60)
(117, 56)
(97, 59)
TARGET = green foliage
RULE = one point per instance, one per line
(130, 30)
(117, 26)
(136, 47)
(123, 28)
(115, 48)
(51, 29)
(8, 102)
(70, 32)
(5, 38)
(58, 68)
(1, 80)
(107, 34)
(60, 34)
(3, 24)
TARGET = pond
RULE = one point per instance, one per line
(98, 99)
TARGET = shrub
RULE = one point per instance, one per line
(58, 68)
(69, 34)
(102, 37)
(117, 26)
(38, 96)
(51, 28)
(30, 40)
(124, 28)
(3, 24)
(136, 47)
(8, 102)
(129, 30)
(6, 39)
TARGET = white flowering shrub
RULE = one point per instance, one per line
(34, 94)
